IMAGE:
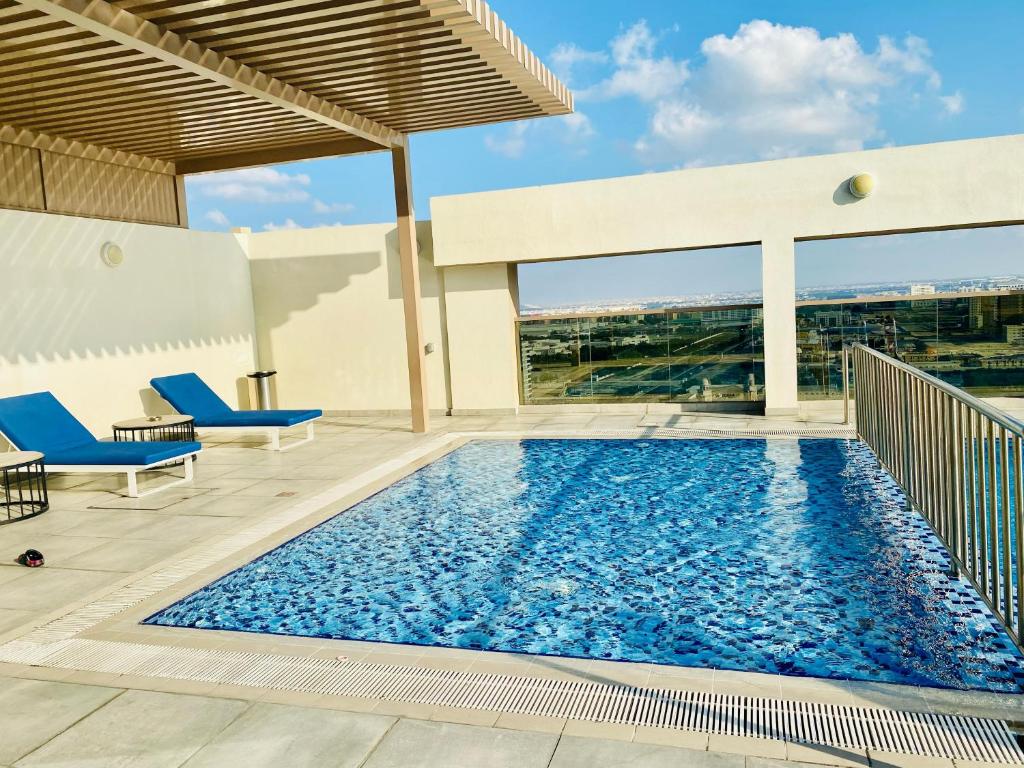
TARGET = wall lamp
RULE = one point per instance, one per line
(862, 185)
(112, 255)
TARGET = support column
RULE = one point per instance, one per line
(778, 281)
(409, 259)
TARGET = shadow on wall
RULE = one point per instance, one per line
(430, 285)
(296, 284)
(176, 290)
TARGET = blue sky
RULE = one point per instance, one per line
(670, 84)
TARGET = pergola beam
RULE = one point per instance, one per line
(265, 156)
(119, 26)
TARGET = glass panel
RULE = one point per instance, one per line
(974, 342)
(701, 355)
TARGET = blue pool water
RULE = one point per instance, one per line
(786, 556)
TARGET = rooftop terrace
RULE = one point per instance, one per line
(407, 336)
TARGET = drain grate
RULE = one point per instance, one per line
(837, 726)
(801, 432)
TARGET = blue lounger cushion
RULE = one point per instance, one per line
(258, 418)
(136, 454)
(190, 395)
(38, 422)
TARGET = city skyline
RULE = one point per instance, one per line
(971, 254)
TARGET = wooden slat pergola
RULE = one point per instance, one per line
(206, 85)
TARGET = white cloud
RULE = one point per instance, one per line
(286, 224)
(253, 185)
(766, 91)
(511, 143)
(577, 127)
(953, 103)
(217, 217)
(638, 72)
(321, 207)
(567, 57)
(573, 130)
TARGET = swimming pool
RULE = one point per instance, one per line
(788, 556)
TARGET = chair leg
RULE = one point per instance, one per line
(133, 484)
(275, 439)
(189, 472)
(297, 443)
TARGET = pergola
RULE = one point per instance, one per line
(218, 84)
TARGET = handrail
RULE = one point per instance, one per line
(1000, 417)
(959, 463)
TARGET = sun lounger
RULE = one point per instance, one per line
(190, 395)
(38, 422)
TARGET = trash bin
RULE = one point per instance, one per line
(262, 380)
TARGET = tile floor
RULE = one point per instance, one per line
(93, 537)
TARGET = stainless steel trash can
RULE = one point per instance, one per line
(262, 380)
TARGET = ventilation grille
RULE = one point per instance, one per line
(926, 734)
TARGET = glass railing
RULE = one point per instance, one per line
(713, 354)
(716, 354)
(972, 341)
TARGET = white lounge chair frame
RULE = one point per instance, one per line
(131, 470)
(272, 433)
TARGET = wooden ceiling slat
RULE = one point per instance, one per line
(95, 80)
(173, 84)
(366, 44)
(165, 90)
(205, 124)
(94, 53)
(181, 146)
(468, 89)
(255, 27)
(316, 133)
(411, 115)
(142, 115)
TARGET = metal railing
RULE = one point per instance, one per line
(958, 461)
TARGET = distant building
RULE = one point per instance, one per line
(921, 289)
(633, 341)
(1015, 334)
(832, 319)
(983, 312)
(1011, 308)
(733, 315)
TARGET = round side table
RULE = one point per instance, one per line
(23, 475)
(171, 429)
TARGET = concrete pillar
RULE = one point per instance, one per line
(778, 280)
(480, 310)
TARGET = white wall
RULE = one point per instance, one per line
(481, 301)
(329, 317)
(94, 336)
(930, 186)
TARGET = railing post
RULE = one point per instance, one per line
(846, 384)
(905, 390)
